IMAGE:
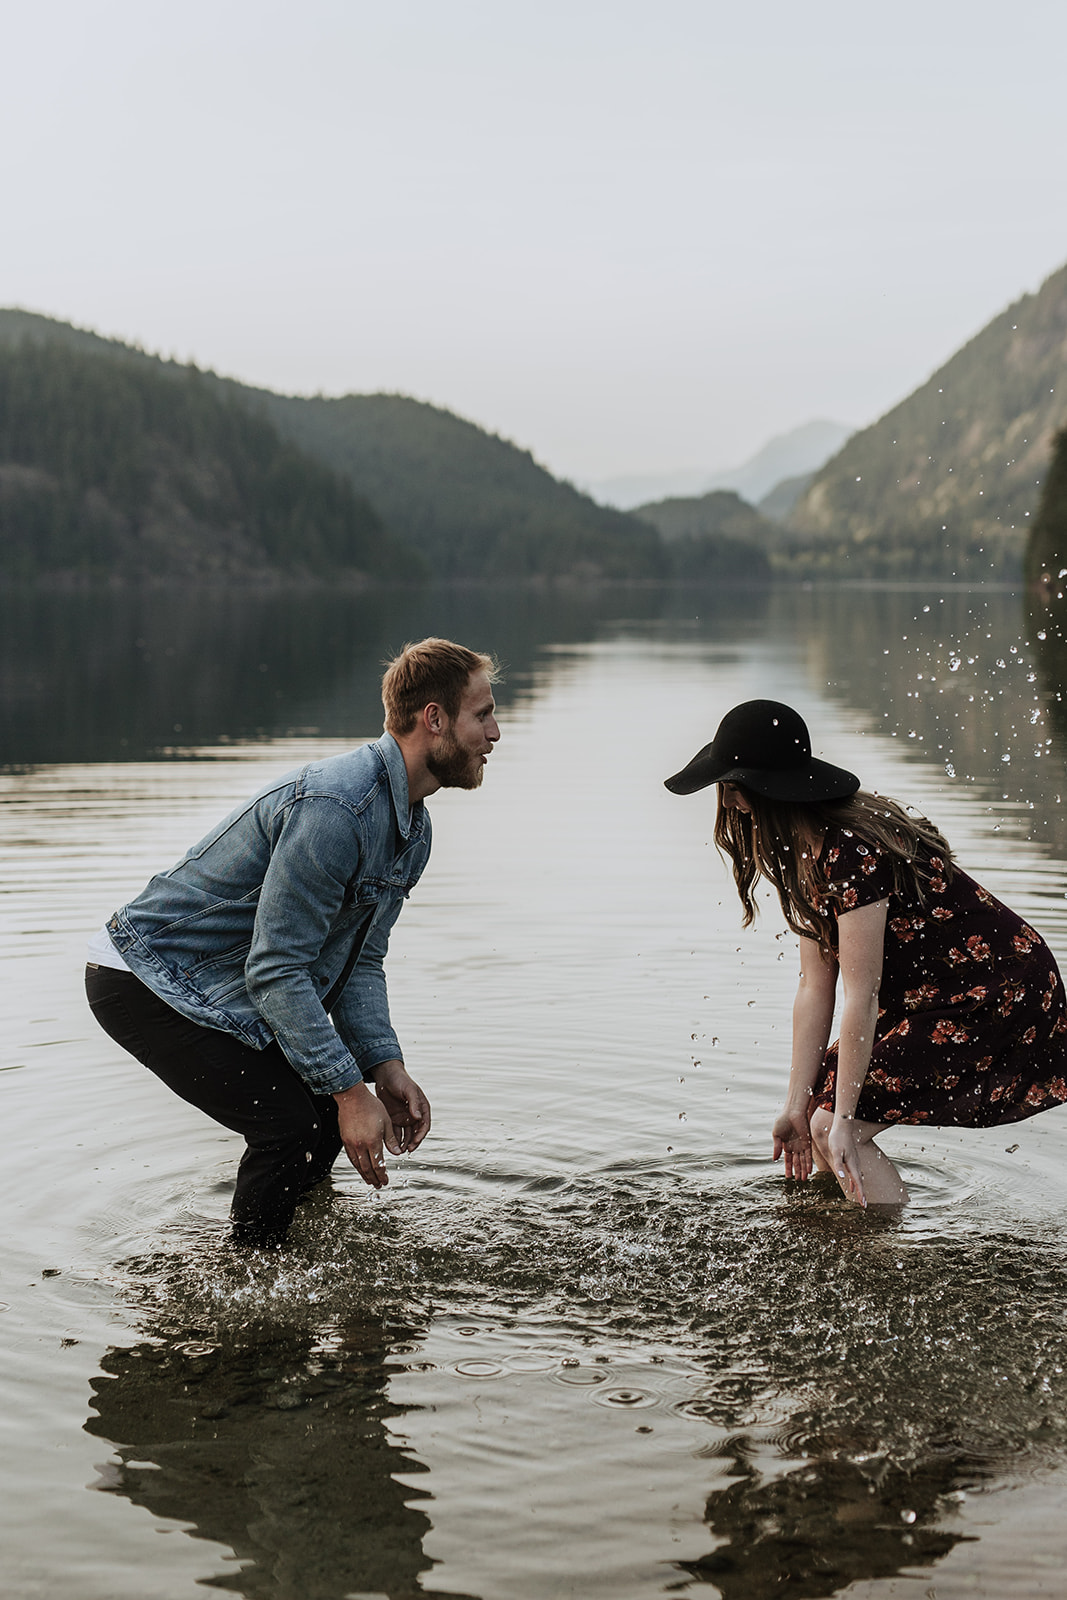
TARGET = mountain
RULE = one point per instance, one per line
(779, 503)
(1046, 554)
(109, 468)
(713, 537)
(473, 505)
(444, 495)
(1046, 575)
(948, 482)
(787, 455)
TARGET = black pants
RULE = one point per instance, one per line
(291, 1134)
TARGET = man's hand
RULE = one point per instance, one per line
(406, 1105)
(365, 1125)
(792, 1137)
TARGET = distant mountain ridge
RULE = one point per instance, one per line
(788, 455)
(948, 481)
(465, 504)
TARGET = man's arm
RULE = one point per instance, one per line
(360, 1014)
(357, 1015)
(314, 857)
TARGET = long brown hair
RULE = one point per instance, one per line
(780, 841)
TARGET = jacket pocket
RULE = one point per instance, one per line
(218, 977)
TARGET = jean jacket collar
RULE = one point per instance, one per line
(397, 773)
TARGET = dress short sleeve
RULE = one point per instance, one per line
(858, 874)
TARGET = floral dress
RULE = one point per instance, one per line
(972, 1019)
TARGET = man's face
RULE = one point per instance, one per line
(459, 756)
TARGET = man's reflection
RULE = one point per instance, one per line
(277, 1449)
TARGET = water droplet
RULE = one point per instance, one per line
(630, 1399)
(584, 1378)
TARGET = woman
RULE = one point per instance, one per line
(953, 1011)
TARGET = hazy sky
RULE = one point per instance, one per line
(628, 236)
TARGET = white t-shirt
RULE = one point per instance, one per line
(102, 952)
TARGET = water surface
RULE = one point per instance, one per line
(589, 1342)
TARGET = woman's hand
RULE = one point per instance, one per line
(844, 1154)
(792, 1137)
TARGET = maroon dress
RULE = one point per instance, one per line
(972, 1018)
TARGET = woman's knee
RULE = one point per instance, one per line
(821, 1123)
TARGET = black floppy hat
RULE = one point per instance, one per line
(764, 746)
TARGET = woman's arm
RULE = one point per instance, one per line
(861, 942)
(813, 1011)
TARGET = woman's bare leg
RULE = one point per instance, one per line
(882, 1183)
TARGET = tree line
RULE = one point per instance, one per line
(112, 467)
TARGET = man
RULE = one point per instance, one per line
(249, 977)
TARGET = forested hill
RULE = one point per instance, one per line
(714, 536)
(471, 503)
(1046, 555)
(461, 502)
(110, 467)
(950, 479)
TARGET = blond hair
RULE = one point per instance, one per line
(434, 671)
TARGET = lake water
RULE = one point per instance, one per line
(589, 1342)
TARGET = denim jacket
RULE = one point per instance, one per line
(251, 930)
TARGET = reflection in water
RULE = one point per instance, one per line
(812, 1531)
(120, 675)
(859, 1379)
(275, 1447)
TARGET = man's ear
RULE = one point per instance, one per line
(433, 718)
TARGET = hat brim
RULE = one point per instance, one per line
(815, 780)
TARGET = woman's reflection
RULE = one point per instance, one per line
(829, 1523)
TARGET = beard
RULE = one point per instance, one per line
(453, 766)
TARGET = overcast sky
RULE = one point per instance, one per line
(629, 236)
